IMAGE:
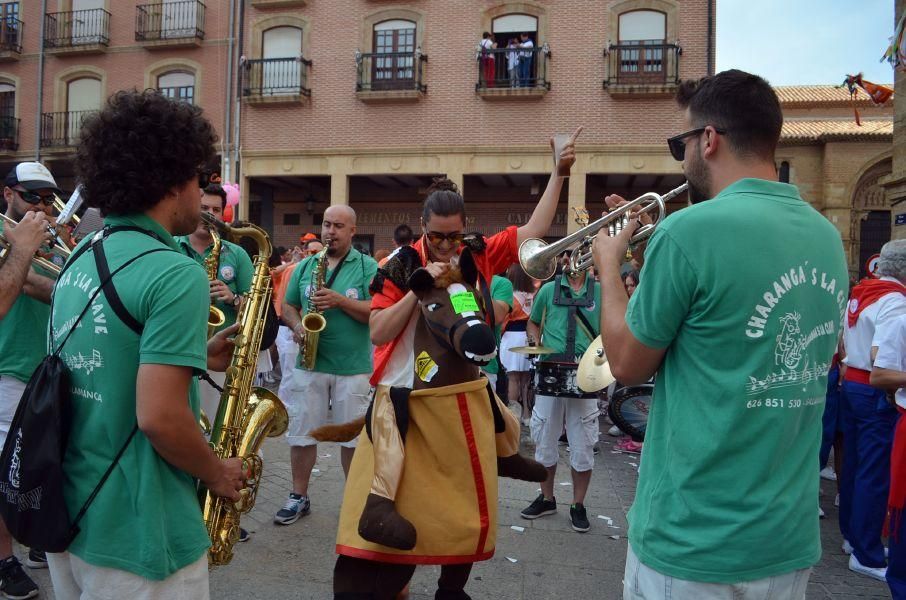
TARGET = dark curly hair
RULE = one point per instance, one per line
(138, 147)
(444, 200)
(215, 189)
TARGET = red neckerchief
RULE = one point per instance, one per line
(896, 499)
(866, 293)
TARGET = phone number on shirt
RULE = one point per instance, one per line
(783, 403)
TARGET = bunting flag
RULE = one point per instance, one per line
(878, 94)
(896, 51)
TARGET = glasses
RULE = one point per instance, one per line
(677, 143)
(436, 237)
(34, 197)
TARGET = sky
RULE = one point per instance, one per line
(805, 42)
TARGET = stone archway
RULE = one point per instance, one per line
(871, 213)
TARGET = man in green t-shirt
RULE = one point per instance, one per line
(565, 317)
(343, 360)
(738, 311)
(24, 296)
(502, 299)
(234, 278)
(131, 362)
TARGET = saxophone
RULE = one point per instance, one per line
(313, 322)
(216, 318)
(246, 415)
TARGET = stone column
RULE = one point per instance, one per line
(895, 183)
(339, 188)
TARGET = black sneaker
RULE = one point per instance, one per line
(36, 559)
(540, 508)
(296, 506)
(579, 518)
(14, 583)
(244, 535)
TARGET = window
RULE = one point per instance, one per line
(179, 85)
(507, 31)
(9, 26)
(395, 38)
(7, 101)
(643, 26)
(281, 69)
(784, 172)
(642, 35)
(82, 95)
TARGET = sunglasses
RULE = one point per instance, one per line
(34, 198)
(677, 143)
(435, 237)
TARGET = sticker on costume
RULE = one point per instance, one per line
(227, 273)
(464, 302)
(352, 294)
(425, 367)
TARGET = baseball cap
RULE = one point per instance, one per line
(31, 176)
(307, 237)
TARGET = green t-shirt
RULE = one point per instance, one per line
(746, 292)
(501, 289)
(556, 318)
(344, 347)
(23, 342)
(235, 270)
(146, 518)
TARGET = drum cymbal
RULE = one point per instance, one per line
(532, 350)
(594, 372)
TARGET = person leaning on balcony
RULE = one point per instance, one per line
(488, 63)
(525, 60)
(512, 61)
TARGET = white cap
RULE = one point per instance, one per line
(31, 176)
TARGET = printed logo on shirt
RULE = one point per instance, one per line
(352, 294)
(853, 305)
(227, 273)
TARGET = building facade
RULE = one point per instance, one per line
(363, 102)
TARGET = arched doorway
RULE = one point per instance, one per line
(871, 214)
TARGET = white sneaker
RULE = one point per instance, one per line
(879, 573)
(615, 431)
(828, 473)
(847, 547)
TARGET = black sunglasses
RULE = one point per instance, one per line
(34, 197)
(435, 237)
(677, 143)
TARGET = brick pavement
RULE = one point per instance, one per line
(551, 561)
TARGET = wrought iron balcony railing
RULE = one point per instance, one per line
(170, 21)
(60, 129)
(186, 93)
(9, 133)
(645, 62)
(513, 68)
(391, 71)
(263, 77)
(77, 28)
(11, 33)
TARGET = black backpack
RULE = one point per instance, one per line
(31, 465)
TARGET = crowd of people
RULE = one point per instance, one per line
(422, 337)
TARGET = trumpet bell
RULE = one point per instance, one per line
(535, 264)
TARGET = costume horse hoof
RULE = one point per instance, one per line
(381, 524)
(520, 467)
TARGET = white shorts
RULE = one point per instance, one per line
(75, 579)
(641, 582)
(11, 390)
(288, 350)
(512, 361)
(308, 396)
(580, 415)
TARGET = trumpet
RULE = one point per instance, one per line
(58, 248)
(539, 259)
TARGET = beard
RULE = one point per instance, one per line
(699, 178)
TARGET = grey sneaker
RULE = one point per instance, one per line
(579, 518)
(296, 506)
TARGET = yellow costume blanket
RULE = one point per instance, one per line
(448, 488)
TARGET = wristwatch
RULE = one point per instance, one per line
(237, 298)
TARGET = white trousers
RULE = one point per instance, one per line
(75, 579)
(644, 583)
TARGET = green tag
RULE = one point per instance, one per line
(464, 302)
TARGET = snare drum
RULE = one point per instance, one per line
(558, 379)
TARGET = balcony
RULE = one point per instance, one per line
(279, 3)
(276, 80)
(77, 32)
(390, 76)
(647, 68)
(505, 73)
(184, 93)
(9, 134)
(170, 24)
(61, 129)
(11, 34)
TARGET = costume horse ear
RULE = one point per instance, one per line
(420, 282)
(468, 267)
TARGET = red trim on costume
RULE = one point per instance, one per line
(867, 292)
(857, 375)
(484, 517)
(896, 498)
(412, 559)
